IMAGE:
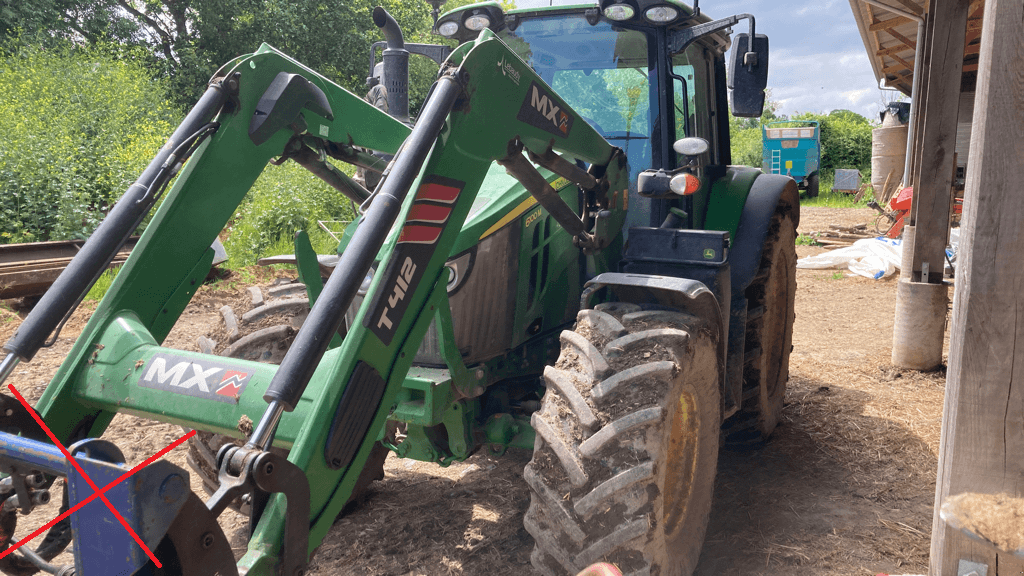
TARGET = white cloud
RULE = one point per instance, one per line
(811, 8)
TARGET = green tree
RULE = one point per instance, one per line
(845, 140)
(77, 127)
(745, 133)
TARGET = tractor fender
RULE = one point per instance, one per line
(682, 294)
(768, 192)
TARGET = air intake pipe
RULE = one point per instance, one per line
(396, 65)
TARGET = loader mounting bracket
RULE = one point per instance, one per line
(247, 470)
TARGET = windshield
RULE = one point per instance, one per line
(602, 73)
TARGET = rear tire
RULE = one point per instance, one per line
(812, 185)
(769, 336)
(627, 444)
(265, 333)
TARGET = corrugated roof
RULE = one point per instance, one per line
(891, 39)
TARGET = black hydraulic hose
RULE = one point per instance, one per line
(325, 318)
(101, 248)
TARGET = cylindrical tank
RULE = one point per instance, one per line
(888, 153)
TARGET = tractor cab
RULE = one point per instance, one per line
(644, 74)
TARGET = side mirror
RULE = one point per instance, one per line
(748, 75)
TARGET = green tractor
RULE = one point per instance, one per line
(556, 256)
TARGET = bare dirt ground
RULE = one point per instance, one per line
(844, 487)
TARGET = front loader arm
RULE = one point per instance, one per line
(327, 406)
(488, 115)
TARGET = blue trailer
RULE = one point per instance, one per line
(793, 148)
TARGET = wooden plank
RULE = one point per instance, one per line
(906, 41)
(911, 6)
(886, 25)
(970, 67)
(930, 212)
(920, 82)
(906, 64)
(897, 68)
(983, 421)
(893, 50)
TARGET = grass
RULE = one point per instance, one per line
(99, 289)
(837, 200)
(806, 240)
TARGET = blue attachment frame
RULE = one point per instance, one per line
(149, 500)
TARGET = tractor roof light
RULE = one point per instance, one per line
(448, 29)
(619, 12)
(477, 22)
(661, 14)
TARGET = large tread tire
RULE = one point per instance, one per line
(769, 336)
(626, 453)
(264, 334)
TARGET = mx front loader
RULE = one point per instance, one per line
(557, 257)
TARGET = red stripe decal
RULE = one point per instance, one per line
(438, 193)
(428, 213)
(419, 235)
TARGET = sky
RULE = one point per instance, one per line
(817, 60)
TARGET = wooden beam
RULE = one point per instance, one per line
(896, 68)
(970, 68)
(886, 25)
(893, 50)
(909, 79)
(972, 49)
(899, 60)
(934, 177)
(911, 6)
(906, 41)
(982, 439)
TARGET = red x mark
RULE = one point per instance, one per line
(100, 493)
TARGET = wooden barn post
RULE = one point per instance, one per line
(921, 296)
(982, 446)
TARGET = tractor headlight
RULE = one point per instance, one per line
(448, 29)
(619, 12)
(661, 14)
(478, 22)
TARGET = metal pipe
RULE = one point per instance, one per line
(918, 56)
(328, 313)
(263, 435)
(7, 366)
(396, 65)
(319, 167)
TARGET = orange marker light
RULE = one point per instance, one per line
(684, 184)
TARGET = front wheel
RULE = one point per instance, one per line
(627, 444)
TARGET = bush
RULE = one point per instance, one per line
(77, 127)
(283, 200)
(845, 141)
